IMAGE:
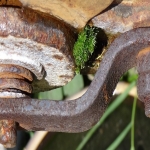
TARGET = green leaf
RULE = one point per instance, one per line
(132, 122)
(74, 86)
(60, 93)
(119, 139)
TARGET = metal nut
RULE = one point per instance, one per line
(38, 43)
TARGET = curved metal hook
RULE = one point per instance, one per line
(80, 114)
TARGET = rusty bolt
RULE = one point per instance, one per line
(31, 40)
(13, 71)
(25, 45)
(8, 133)
(38, 42)
(14, 83)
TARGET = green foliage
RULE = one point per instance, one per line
(84, 47)
(130, 76)
(120, 138)
(133, 123)
(122, 135)
(71, 88)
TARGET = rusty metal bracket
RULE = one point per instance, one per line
(80, 114)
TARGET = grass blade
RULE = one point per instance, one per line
(132, 122)
(109, 110)
(119, 139)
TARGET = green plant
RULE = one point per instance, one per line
(84, 47)
(130, 75)
(109, 110)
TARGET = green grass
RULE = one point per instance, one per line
(132, 123)
(120, 138)
(109, 110)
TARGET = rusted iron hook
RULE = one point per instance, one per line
(80, 114)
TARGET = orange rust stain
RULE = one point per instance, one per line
(143, 52)
(10, 3)
(10, 76)
(58, 57)
(105, 93)
(65, 76)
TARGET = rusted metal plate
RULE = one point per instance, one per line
(123, 16)
(75, 12)
(83, 113)
(38, 43)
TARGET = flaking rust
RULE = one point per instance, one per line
(8, 133)
(36, 47)
(12, 3)
(15, 84)
(123, 16)
(143, 63)
(38, 43)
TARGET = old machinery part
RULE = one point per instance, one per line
(36, 55)
(80, 114)
(38, 43)
(31, 41)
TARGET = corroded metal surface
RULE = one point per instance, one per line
(10, 3)
(80, 114)
(14, 83)
(13, 71)
(123, 16)
(75, 12)
(8, 133)
(13, 80)
(143, 84)
(39, 43)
